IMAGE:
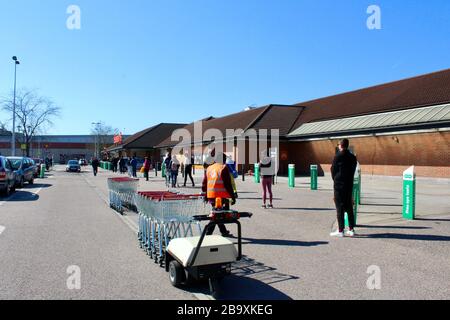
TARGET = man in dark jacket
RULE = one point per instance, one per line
(95, 165)
(343, 172)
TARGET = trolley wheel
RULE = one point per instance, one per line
(176, 273)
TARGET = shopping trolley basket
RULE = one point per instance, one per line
(164, 216)
(121, 193)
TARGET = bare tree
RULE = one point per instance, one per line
(34, 114)
(103, 135)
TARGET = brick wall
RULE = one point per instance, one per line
(385, 155)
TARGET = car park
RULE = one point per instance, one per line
(73, 166)
(7, 177)
(24, 169)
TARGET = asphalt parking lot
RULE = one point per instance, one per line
(64, 220)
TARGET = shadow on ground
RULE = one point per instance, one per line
(393, 227)
(22, 196)
(417, 237)
(305, 209)
(282, 242)
(250, 280)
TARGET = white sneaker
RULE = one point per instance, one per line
(350, 233)
(337, 234)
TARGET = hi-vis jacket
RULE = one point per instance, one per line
(215, 185)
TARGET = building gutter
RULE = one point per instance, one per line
(374, 134)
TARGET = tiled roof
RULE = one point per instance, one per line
(267, 117)
(150, 137)
(425, 90)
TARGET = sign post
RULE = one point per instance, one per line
(356, 196)
(314, 176)
(409, 194)
(291, 176)
(257, 173)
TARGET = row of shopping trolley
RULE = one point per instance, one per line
(163, 215)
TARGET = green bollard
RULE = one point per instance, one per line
(357, 182)
(257, 173)
(163, 170)
(291, 174)
(356, 197)
(42, 173)
(314, 175)
(409, 194)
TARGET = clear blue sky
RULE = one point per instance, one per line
(136, 63)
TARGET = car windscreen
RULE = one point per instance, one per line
(16, 163)
(73, 163)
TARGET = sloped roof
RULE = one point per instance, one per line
(267, 117)
(436, 115)
(425, 90)
(150, 137)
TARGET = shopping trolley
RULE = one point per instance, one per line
(121, 193)
(164, 216)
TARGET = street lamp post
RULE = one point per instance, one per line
(96, 124)
(13, 138)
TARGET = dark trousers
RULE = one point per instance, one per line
(344, 203)
(95, 171)
(146, 175)
(188, 172)
(222, 227)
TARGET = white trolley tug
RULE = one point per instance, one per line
(205, 257)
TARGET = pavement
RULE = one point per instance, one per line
(64, 220)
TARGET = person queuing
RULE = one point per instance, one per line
(115, 161)
(217, 183)
(174, 167)
(133, 165)
(267, 172)
(146, 167)
(343, 171)
(95, 164)
(188, 163)
(166, 162)
(122, 165)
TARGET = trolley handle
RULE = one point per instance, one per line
(208, 217)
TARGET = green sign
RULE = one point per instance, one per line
(291, 173)
(257, 173)
(314, 177)
(409, 194)
(23, 146)
(356, 194)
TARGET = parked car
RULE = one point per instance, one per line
(24, 169)
(7, 177)
(39, 163)
(73, 166)
(82, 162)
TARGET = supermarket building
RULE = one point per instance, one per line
(390, 126)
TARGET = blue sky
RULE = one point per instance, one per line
(136, 63)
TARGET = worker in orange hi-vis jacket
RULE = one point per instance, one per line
(217, 184)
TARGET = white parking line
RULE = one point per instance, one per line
(2, 228)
